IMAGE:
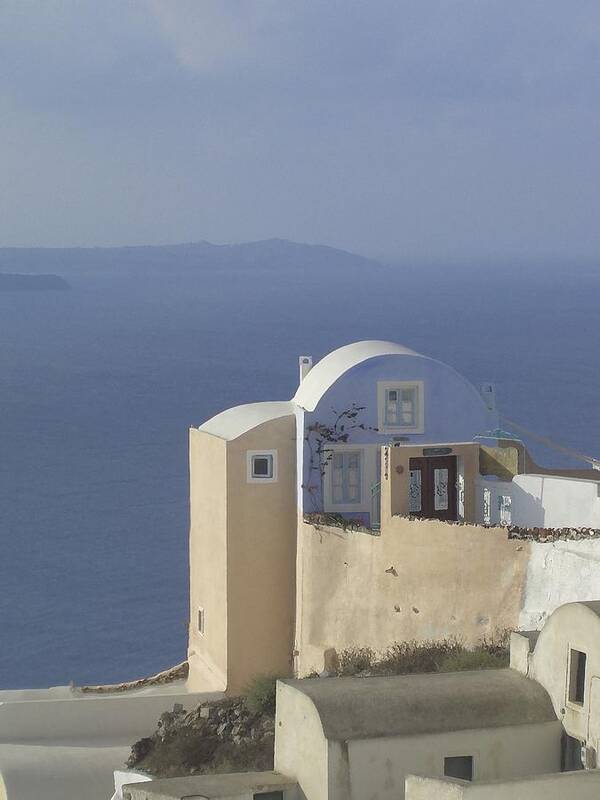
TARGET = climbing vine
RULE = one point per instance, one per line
(319, 438)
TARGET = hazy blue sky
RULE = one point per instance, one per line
(421, 129)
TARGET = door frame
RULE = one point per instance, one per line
(427, 465)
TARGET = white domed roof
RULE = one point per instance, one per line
(236, 421)
(326, 372)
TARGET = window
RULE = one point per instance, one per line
(414, 491)
(459, 767)
(505, 509)
(268, 796)
(400, 406)
(487, 506)
(261, 466)
(346, 477)
(440, 489)
(201, 620)
(577, 661)
(460, 489)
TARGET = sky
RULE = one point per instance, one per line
(405, 129)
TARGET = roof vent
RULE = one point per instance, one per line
(305, 363)
(488, 392)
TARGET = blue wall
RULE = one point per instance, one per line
(454, 409)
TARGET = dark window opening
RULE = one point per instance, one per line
(459, 767)
(262, 466)
(268, 795)
(577, 661)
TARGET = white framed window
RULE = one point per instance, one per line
(261, 466)
(350, 472)
(346, 477)
(401, 406)
(201, 619)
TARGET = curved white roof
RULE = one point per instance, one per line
(326, 372)
(236, 421)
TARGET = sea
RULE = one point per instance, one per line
(99, 385)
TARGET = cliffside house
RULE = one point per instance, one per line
(519, 732)
(377, 439)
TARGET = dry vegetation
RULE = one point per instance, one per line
(237, 734)
(404, 658)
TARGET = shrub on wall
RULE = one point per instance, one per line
(260, 694)
(405, 658)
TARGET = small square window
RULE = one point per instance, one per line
(400, 406)
(262, 466)
(201, 620)
(459, 767)
(577, 661)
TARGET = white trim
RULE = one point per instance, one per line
(250, 477)
(382, 388)
(368, 472)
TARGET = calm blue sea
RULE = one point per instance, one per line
(98, 386)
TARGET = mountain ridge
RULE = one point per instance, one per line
(265, 254)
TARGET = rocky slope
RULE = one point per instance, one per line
(218, 736)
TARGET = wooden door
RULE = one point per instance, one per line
(432, 487)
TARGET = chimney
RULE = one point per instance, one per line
(305, 363)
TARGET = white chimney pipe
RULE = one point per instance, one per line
(305, 363)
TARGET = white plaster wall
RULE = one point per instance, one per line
(545, 501)
(559, 572)
(301, 749)
(56, 772)
(580, 785)
(378, 767)
(564, 501)
(125, 777)
(89, 720)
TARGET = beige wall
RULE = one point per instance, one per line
(207, 653)
(301, 749)
(397, 470)
(242, 558)
(580, 785)
(420, 579)
(261, 556)
(378, 767)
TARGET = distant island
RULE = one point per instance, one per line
(276, 255)
(16, 282)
